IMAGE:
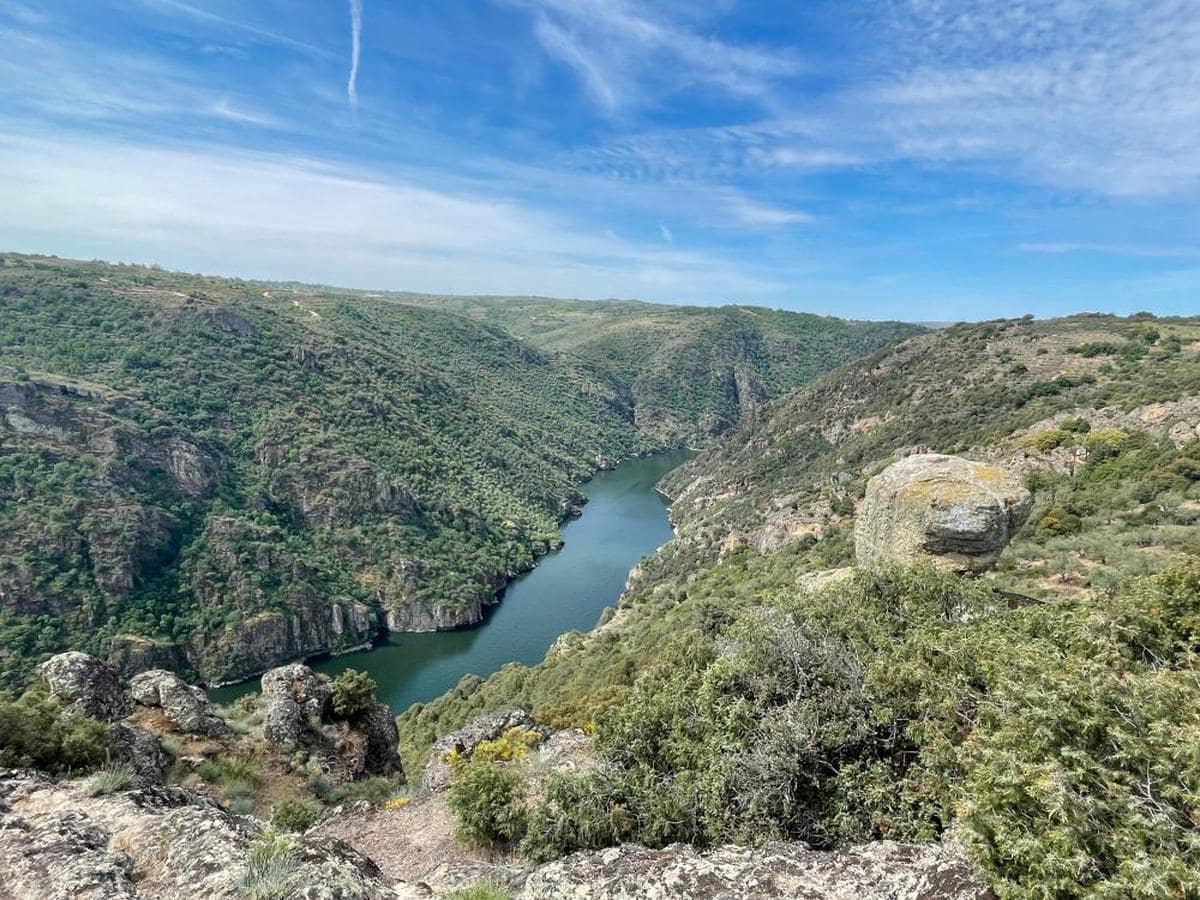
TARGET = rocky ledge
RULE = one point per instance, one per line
(59, 841)
(879, 871)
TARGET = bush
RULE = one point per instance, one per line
(488, 801)
(377, 791)
(34, 733)
(1104, 443)
(1044, 441)
(110, 780)
(294, 815)
(353, 693)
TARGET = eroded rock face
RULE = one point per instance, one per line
(157, 842)
(298, 715)
(958, 513)
(869, 872)
(85, 685)
(295, 701)
(466, 739)
(185, 706)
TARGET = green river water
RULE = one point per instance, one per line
(624, 520)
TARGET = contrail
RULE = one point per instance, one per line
(355, 50)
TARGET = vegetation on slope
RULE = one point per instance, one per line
(183, 455)
(687, 373)
(214, 475)
(735, 698)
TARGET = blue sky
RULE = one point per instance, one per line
(918, 159)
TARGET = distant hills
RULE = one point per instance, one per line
(215, 475)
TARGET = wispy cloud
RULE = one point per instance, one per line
(746, 211)
(1145, 250)
(265, 215)
(190, 10)
(626, 56)
(355, 53)
(666, 233)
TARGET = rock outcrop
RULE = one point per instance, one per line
(186, 707)
(85, 686)
(958, 513)
(466, 739)
(56, 841)
(877, 871)
(298, 715)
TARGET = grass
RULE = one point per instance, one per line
(111, 779)
(271, 868)
(481, 890)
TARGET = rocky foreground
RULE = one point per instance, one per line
(132, 835)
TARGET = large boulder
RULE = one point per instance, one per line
(186, 707)
(85, 686)
(155, 843)
(295, 700)
(958, 513)
(298, 714)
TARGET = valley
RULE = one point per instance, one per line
(921, 611)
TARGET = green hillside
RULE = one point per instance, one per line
(1045, 715)
(215, 476)
(688, 373)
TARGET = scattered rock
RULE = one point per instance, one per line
(879, 871)
(185, 706)
(959, 513)
(85, 685)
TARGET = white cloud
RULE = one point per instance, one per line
(666, 233)
(262, 215)
(625, 56)
(746, 211)
(355, 53)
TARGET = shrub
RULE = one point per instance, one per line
(512, 745)
(488, 801)
(33, 732)
(1104, 443)
(353, 693)
(1044, 441)
(1057, 522)
(377, 790)
(110, 779)
(294, 815)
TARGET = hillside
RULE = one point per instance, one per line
(687, 373)
(751, 687)
(214, 476)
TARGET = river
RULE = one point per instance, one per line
(624, 520)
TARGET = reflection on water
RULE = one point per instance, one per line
(624, 520)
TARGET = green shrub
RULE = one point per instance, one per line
(1044, 441)
(33, 732)
(377, 790)
(111, 779)
(353, 693)
(294, 815)
(488, 801)
(1105, 443)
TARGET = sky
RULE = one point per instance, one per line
(926, 160)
